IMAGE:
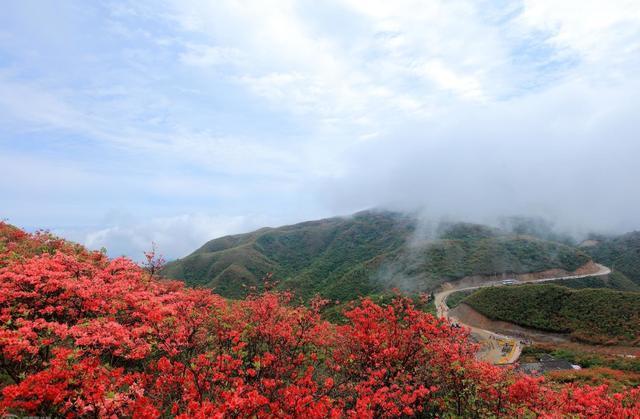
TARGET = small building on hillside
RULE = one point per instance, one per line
(545, 364)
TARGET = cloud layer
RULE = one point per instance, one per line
(202, 118)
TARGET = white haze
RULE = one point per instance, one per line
(569, 155)
(203, 118)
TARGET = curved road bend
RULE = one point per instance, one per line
(499, 349)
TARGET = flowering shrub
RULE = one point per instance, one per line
(83, 335)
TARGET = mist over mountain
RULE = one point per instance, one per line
(373, 252)
(196, 119)
(565, 160)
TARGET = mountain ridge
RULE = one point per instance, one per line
(367, 253)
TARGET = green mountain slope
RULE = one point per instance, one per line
(590, 315)
(302, 256)
(368, 253)
(621, 253)
(615, 280)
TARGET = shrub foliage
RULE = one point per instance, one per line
(83, 335)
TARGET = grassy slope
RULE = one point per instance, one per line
(590, 315)
(367, 254)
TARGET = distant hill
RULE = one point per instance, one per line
(301, 255)
(366, 254)
(615, 280)
(621, 253)
(590, 315)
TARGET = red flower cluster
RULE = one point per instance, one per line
(82, 335)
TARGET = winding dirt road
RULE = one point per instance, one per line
(496, 348)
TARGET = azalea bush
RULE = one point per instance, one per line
(85, 335)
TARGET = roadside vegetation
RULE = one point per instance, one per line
(454, 299)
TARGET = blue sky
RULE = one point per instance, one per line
(123, 123)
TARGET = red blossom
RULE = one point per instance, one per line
(82, 335)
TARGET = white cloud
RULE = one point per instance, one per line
(207, 56)
(40, 109)
(465, 86)
(595, 29)
(252, 105)
(312, 72)
(175, 236)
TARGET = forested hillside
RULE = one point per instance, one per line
(368, 253)
(590, 315)
(621, 253)
(615, 280)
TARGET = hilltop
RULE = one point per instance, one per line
(366, 254)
